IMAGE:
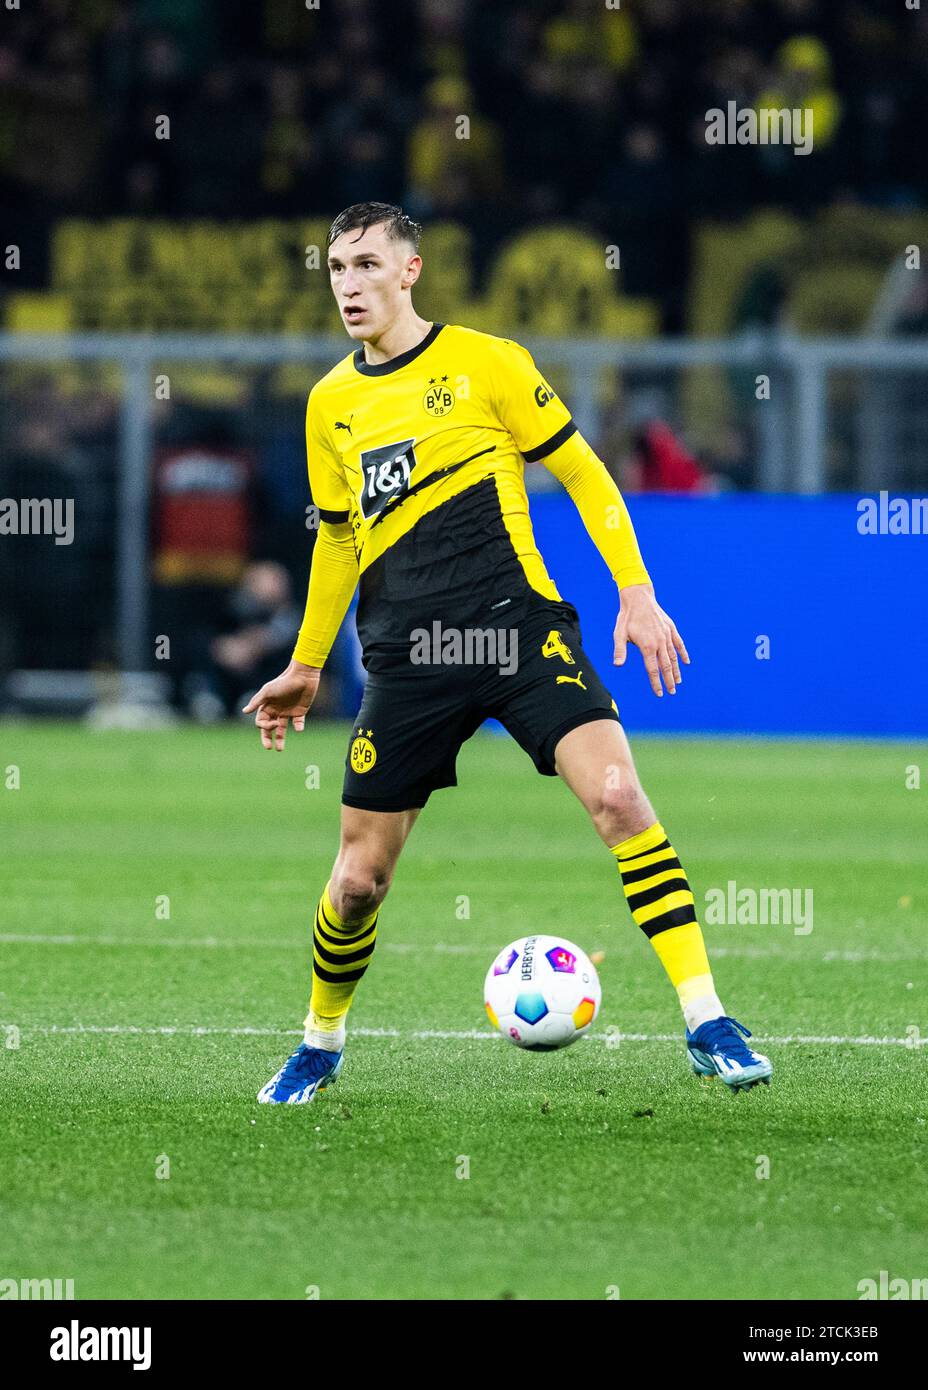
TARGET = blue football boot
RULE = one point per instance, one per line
(717, 1048)
(306, 1071)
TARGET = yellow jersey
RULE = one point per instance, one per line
(420, 462)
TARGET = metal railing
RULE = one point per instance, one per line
(793, 425)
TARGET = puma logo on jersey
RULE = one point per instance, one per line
(340, 424)
(572, 680)
(554, 645)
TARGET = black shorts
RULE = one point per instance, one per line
(415, 717)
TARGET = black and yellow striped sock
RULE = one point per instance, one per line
(342, 952)
(662, 904)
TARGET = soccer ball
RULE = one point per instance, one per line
(542, 992)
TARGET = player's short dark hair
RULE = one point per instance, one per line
(360, 216)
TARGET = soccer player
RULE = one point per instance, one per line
(416, 444)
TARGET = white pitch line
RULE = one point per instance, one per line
(624, 950)
(191, 942)
(212, 942)
(444, 1034)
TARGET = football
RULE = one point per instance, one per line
(542, 992)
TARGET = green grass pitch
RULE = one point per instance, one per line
(143, 1039)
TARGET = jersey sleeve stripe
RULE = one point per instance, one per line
(332, 517)
(543, 450)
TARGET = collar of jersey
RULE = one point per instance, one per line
(393, 365)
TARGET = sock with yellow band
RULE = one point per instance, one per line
(662, 903)
(342, 951)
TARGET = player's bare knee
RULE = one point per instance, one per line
(620, 811)
(357, 888)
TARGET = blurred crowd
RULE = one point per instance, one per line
(571, 109)
(574, 109)
(229, 529)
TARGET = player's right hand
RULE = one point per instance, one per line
(287, 697)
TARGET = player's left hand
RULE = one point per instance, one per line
(643, 622)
